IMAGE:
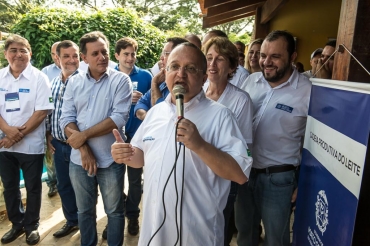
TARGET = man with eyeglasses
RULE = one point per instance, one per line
(67, 54)
(210, 158)
(25, 101)
(159, 90)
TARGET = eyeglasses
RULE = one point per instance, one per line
(187, 69)
(165, 53)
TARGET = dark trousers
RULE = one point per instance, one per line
(31, 165)
(134, 190)
(67, 195)
(229, 211)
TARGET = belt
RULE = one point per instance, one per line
(61, 141)
(275, 169)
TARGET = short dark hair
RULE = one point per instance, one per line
(332, 43)
(191, 36)
(15, 38)
(200, 54)
(125, 42)
(176, 41)
(274, 35)
(91, 37)
(218, 33)
(65, 44)
(241, 44)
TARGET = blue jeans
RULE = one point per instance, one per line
(266, 197)
(67, 195)
(51, 172)
(110, 181)
(31, 165)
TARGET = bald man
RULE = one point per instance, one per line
(53, 70)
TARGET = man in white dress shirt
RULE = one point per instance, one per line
(215, 152)
(280, 95)
(25, 101)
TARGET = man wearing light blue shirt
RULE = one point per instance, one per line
(95, 103)
(52, 71)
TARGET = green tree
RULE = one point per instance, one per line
(164, 14)
(11, 11)
(42, 27)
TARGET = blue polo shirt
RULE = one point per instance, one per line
(144, 79)
(145, 101)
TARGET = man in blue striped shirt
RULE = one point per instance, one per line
(95, 103)
(68, 56)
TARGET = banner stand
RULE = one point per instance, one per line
(361, 234)
(333, 203)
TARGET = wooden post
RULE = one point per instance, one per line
(259, 30)
(354, 33)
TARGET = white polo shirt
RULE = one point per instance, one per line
(205, 193)
(240, 76)
(240, 103)
(33, 90)
(279, 119)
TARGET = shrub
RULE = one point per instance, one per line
(43, 27)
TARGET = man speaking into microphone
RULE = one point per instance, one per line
(215, 152)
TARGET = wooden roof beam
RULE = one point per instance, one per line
(270, 8)
(210, 22)
(234, 6)
(212, 3)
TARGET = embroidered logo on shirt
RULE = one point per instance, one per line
(150, 138)
(51, 100)
(284, 107)
(24, 90)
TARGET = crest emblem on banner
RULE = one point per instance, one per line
(322, 211)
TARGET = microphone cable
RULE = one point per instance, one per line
(164, 189)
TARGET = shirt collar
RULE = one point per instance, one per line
(27, 72)
(106, 73)
(133, 71)
(73, 74)
(189, 105)
(292, 81)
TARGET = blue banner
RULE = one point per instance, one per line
(333, 160)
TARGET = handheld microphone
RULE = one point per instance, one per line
(179, 92)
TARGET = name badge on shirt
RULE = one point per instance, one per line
(24, 90)
(12, 102)
(284, 107)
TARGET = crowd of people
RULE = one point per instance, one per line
(232, 158)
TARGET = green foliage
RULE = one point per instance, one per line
(245, 38)
(42, 27)
(167, 15)
(11, 11)
(3, 61)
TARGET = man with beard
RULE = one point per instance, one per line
(281, 97)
